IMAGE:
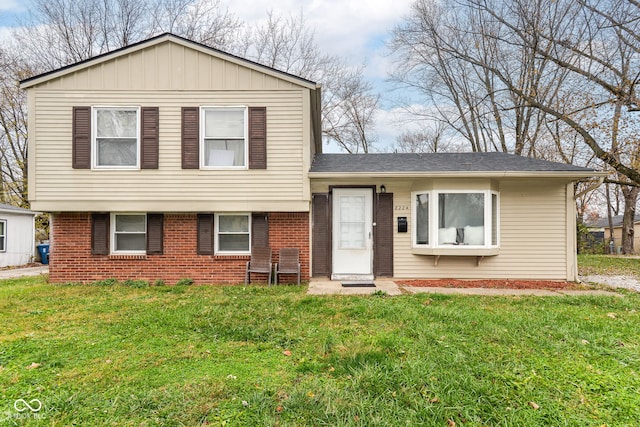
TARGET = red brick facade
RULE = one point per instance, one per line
(71, 259)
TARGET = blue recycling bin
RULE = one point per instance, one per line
(43, 250)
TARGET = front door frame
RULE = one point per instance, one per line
(374, 199)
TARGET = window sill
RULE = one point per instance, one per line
(245, 257)
(478, 253)
(128, 256)
(456, 251)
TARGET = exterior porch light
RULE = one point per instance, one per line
(383, 189)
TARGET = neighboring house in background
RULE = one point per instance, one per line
(602, 225)
(168, 159)
(17, 235)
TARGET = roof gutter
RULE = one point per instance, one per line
(572, 175)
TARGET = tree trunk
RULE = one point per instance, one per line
(628, 223)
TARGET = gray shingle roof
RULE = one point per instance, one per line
(436, 162)
(617, 221)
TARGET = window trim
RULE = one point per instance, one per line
(201, 142)
(112, 232)
(434, 201)
(3, 236)
(217, 233)
(94, 137)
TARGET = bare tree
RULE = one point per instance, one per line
(470, 98)
(60, 32)
(348, 100)
(427, 139)
(13, 132)
(569, 66)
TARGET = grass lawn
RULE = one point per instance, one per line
(256, 356)
(607, 264)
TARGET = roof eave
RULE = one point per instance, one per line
(569, 175)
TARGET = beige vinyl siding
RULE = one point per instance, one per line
(533, 230)
(168, 66)
(59, 187)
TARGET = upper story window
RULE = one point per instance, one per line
(129, 233)
(116, 142)
(224, 137)
(455, 218)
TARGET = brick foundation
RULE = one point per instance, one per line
(71, 259)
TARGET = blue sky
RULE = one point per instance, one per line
(354, 29)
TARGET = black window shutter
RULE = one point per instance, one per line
(81, 138)
(321, 235)
(205, 234)
(190, 138)
(259, 230)
(100, 233)
(155, 234)
(257, 138)
(149, 137)
(383, 249)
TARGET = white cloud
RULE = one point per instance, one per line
(354, 29)
(11, 5)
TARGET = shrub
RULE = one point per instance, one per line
(185, 281)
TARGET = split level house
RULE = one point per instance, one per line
(168, 159)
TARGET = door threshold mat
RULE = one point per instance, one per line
(358, 285)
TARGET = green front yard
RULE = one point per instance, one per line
(256, 356)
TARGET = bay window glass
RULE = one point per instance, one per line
(116, 137)
(455, 218)
(233, 233)
(422, 219)
(461, 219)
(224, 142)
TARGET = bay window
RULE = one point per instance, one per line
(448, 219)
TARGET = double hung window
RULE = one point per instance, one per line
(233, 233)
(224, 137)
(116, 142)
(129, 233)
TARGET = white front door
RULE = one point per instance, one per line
(352, 234)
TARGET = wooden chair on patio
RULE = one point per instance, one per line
(260, 263)
(289, 263)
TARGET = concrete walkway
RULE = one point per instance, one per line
(12, 273)
(325, 286)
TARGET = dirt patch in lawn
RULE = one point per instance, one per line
(494, 284)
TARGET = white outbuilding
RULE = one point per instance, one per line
(17, 235)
